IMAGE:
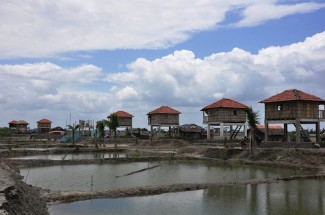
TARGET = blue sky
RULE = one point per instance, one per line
(94, 58)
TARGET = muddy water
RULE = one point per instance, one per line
(293, 197)
(97, 177)
(74, 156)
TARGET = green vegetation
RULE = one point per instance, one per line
(73, 129)
(253, 120)
(5, 132)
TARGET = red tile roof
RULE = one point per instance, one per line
(44, 121)
(270, 127)
(225, 103)
(21, 122)
(164, 110)
(12, 122)
(292, 95)
(123, 114)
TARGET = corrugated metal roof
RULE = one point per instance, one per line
(164, 110)
(225, 103)
(292, 95)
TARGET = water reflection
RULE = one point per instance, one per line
(78, 177)
(293, 197)
(75, 156)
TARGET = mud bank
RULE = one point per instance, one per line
(58, 197)
(18, 197)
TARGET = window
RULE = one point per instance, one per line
(235, 112)
(280, 107)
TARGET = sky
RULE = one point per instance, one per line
(70, 60)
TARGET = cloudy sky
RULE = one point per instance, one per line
(91, 58)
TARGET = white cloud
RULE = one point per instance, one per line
(37, 28)
(261, 12)
(180, 80)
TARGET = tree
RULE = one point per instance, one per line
(73, 129)
(100, 126)
(113, 124)
(253, 120)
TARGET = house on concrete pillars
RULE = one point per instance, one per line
(124, 119)
(163, 116)
(225, 112)
(294, 107)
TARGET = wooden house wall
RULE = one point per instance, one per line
(227, 115)
(125, 121)
(163, 119)
(291, 110)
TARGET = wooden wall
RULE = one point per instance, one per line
(125, 121)
(292, 110)
(163, 119)
(226, 115)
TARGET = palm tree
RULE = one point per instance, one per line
(100, 126)
(253, 120)
(73, 129)
(113, 124)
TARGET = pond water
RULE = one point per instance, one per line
(103, 176)
(74, 156)
(299, 197)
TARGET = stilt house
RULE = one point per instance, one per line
(294, 107)
(44, 126)
(124, 119)
(163, 116)
(225, 112)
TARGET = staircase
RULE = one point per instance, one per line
(303, 134)
(236, 131)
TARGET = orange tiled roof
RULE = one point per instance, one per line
(44, 121)
(122, 114)
(292, 95)
(12, 122)
(164, 110)
(225, 103)
(21, 122)
(270, 126)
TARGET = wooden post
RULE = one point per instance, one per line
(266, 129)
(285, 132)
(208, 132)
(318, 132)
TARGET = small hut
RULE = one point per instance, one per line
(294, 107)
(225, 112)
(191, 132)
(276, 132)
(44, 126)
(124, 119)
(163, 116)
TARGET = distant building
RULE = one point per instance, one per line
(19, 126)
(225, 112)
(294, 107)
(44, 126)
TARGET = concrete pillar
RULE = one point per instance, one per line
(245, 128)
(318, 132)
(221, 129)
(208, 132)
(298, 136)
(285, 127)
(266, 129)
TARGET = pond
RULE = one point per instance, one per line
(298, 197)
(103, 176)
